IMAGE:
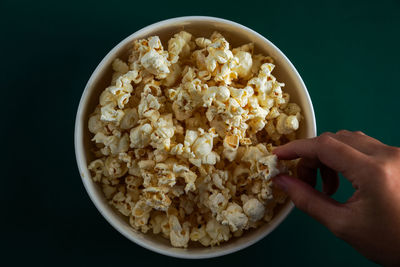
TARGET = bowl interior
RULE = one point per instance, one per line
(100, 79)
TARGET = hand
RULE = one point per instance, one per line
(370, 220)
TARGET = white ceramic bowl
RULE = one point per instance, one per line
(236, 34)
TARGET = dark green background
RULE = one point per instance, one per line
(347, 53)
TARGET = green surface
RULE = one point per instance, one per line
(346, 51)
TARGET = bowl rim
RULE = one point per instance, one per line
(89, 185)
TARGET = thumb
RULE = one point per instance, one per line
(316, 204)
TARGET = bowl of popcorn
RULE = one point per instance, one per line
(175, 131)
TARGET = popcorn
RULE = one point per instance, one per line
(187, 175)
(273, 113)
(202, 42)
(203, 145)
(234, 217)
(165, 174)
(114, 168)
(140, 215)
(286, 124)
(129, 119)
(217, 232)
(95, 125)
(243, 68)
(173, 76)
(219, 51)
(198, 233)
(184, 137)
(108, 190)
(219, 178)
(266, 190)
(119, 66)
(150, 102)
(156, 198)
(161, 137)
(113, 144)
(292, 109)
(272, 131)
(132, 187)
(217, 203)
(179, 234)
(179, 46)
(155, 63)
(231, 144)
(254, 209)
(120, 203)
(109, 114)
(140, 136)
(96, 167)
(268, 166)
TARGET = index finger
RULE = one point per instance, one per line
(329, 151)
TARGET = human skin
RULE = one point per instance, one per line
(370, 219)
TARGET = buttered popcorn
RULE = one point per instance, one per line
(183, 138)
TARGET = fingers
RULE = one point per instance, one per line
(316, 204)
(358, 132)
(328, 150)
(330, 180)
(307, 171)
(359, 141)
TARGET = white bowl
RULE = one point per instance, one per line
(236, 34)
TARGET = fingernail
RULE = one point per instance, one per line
(281, 182)
(274, 150)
